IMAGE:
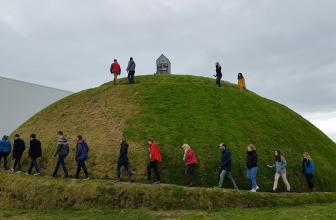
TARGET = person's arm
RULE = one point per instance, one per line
(271, 166)
(226, 159)
(128, 66)
(58, 148)
(111, 68)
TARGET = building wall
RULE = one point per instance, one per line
(21, 100)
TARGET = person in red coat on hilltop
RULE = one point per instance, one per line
(190, 162)
(115, 70)
(155, 158)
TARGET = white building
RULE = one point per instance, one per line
(21, 100)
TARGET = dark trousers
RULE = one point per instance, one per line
(153, 165)
(34, 163)
(17, 163)
(218, 80)
(309, 179)
(125, 165)
(4, 155)
(190, 173)
(131, 77)
(60, 162)
(81, 165)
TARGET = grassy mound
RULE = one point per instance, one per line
(184, 109)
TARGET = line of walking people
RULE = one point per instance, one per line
(115, 69)
(189, 157)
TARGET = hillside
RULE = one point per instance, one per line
(183, 109)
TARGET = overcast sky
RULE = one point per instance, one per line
(287, 49)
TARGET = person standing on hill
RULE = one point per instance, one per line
(115, 70)
(218, 74)
(131, 70)
(123, 160)
(61, 152)
(5, 150)
(155, 158)
(308, 169)
(82, 153)
(18, 149)
(280, 170)
(34, 152)
(190, 162)
(225, 166)
(241, 82)
(252, 167)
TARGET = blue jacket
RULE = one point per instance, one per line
(82, 151)
(5, 146)
(308, 167)
(226, 160)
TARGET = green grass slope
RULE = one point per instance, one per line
(184, 109)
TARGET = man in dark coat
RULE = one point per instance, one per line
(18, 149)
(34, 152)
(225, 166)
(61, 152)
(123, 160)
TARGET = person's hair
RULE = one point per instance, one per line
(80, 137)
(16, 135)
(33, 136)
(60, 133)
(252, 147)
(131, 58)
(306, 154)
(240, 76)
(151, 139)
(186, 146)
(115, 60)
(5, 137)
(278, 156)
(217, 64)
(223, 145)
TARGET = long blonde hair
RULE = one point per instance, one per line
(306, 154)
(185, 146)
(252, 147)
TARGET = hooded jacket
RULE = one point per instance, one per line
(18, 148)
(154, 152)
(115, 68)
(82, 151)
(308, 166)
(35, 149)
(62, 149)
(226, 160)
(123, 153)
(190, 157)
(5, 146)
(131, 66)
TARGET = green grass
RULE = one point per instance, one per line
(184, 109)
(326, 211)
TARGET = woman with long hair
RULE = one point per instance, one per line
(280, 170)
(190, 160)
(308, 169)
(252, 167)
(241, 82)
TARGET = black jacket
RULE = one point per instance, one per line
(218, 71)
(226, 160)
(123, 158)
(252, 159)
(18, 148)
(35, 150)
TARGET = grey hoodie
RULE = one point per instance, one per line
(131, 66)
(62, 149)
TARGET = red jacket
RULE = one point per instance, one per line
(190, 157)
(115, 68)
(155, 152)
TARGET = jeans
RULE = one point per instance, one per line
(218, 80)
(153, 165)
(61, 162)
(284, 178)
(34, 163)
(222, 176)
(190, 173)
(4, 155)
(17, 163)
(252, 177)
(309, 179)
(81, 165)
(131, 77)
(125, 165)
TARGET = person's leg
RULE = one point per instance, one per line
(29, 171)
(63, 165)
(229, 175)
(85, 169)
(276, 181)
(156, 170)
(284, 178)
(1, 155)
(128, 170)
(309, 179)
(248, 176)
(253, 174)
(149, 170)
(129, 75)
(79, 165)
(189, 174)
(221, 179)
(56, 167)
(15, 163)
(5, 160)
(119, 170)
(133, 73)
(37, 167)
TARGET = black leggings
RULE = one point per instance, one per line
(153, 165)
(81, 165)
(4, 155)
(309, 179)
(190, 173)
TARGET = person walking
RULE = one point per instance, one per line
(226, 166)
(308, 169)
(190, 162)
(218, 74)
(34, 152)
(61, 152)
(5, 150)
(115, 70)
(82, 153)
(252, 167)
(19, 147)
(280, 170)
(131, 70)
(155, 158)
(123, 161)
(241, 82)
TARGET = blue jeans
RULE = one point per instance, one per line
(222, 176)
(34, 163)
(61, 162)
(218, 80)
(251, 175)
(128, 170)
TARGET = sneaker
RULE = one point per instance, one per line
(12, 170)
(117, 181)
(19, 171)
(157, 182)
(87, 178)
(257, 188)
(253, 190)
(26, 173)
(37, 174)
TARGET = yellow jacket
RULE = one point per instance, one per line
(241, 83)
